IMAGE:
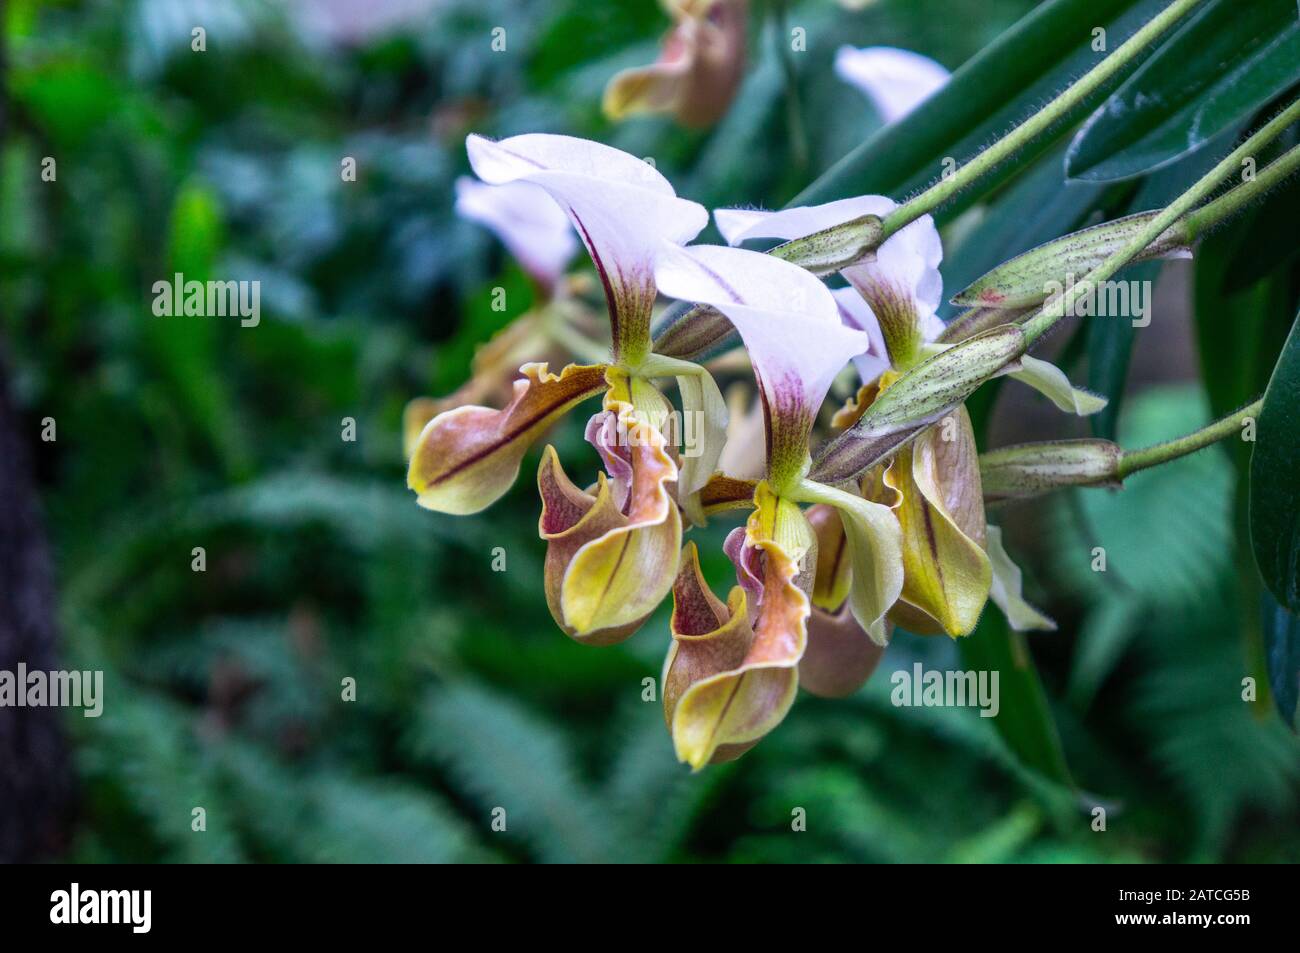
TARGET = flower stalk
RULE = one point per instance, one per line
(1038, 325)
(1031, 469)
(1028, 130)
(1199, 221)
(1131, 461)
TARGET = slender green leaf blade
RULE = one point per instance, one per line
(1222, 65)
(1024, 718)
(994, 91)
(1275, 479)
(1282, 645)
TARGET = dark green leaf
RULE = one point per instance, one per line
(1227, 61)
(991, 93)
(1270, 242)
(1024, 719)
(1282, 643)
(1239, 328)
(1275, 479)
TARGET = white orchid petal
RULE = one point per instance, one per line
(896, 81)
(528, 222)
(903, 286)
(856, 313)
(741, 224)
(789, 323)
(1050, 381)
(623, 209)
(1006, 589)
(908, 260)
(787, 318)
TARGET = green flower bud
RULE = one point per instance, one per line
(1030, 469)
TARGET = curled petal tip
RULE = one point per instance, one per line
(727, 688)
(465, 459)
(611, 558)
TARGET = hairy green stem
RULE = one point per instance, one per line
(1036, 124)
(1064, 304)
(1199, 221)
(1131, 461)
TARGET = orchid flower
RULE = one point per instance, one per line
(896, 81)
(933, 484)
(733, 670)
(612, 550)
(699, 69)
(535, 230)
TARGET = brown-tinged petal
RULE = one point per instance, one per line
(856, 405)
(611, 557)
(721, 716)
(466, 458)
(946, 571)
(723, 492)
(840, 656)
(708, 636)
(493, 370)
(834, 573)
(699, 69)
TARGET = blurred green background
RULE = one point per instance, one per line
(223, 687)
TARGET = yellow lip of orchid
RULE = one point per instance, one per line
(611, 556)
(728, 684)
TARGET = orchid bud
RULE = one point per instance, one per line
(1031, 278)
(833, 249)
(1030, 469)
(918, 399)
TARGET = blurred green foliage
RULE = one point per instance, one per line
(223, 687)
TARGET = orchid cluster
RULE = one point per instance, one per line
(824, 568)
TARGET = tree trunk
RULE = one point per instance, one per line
(35, 780)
